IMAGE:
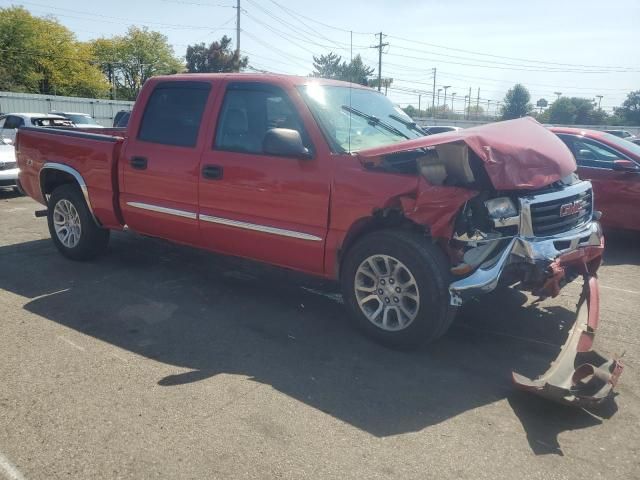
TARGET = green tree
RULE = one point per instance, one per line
(217, 57)
(574, 111)
(327, 66)
(332, 66)
(131, 59)
(629, 112)
(40, 55)
(516, 103)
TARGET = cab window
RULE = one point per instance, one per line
(13, 121)
(249, 110)
(589, 153)
(173, 113)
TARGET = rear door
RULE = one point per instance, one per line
(261, 206)
(614, 192)
(160, 161)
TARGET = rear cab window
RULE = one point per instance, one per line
(173, 113)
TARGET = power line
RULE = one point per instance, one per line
(501, 56)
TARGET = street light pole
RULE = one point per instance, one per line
(599, 97)
(452, 97)
(438, 104)
(559, 94)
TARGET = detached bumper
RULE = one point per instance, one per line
(579, 375)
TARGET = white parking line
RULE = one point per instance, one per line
(9, 470)
(619, 289)
(74, 345)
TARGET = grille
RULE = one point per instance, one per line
(562, 214)
(8, 165)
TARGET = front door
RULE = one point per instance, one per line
(261, 206)
(160, 162)
(615, 193)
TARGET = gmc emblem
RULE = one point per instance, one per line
(571, 208)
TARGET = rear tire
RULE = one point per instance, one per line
(396, 286)
(72, 227)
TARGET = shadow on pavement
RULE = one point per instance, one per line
(622, 247)
(213, 314)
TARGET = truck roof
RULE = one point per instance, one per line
(290, 80)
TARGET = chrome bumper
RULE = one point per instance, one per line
(538, 251)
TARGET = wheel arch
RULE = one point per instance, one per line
(53, 174)
(382, 219)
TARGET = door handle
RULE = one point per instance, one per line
(213, 172)
(139, 163)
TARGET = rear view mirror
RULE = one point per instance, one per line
(625, 166)
(284, 142)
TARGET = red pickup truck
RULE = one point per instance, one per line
(333, 180)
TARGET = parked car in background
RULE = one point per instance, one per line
(622, 134)
(10, 122)
(613, 166)
(121, 119)
(440, 129)
(80, 120)
(8, 166)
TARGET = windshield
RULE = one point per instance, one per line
(356, 119)
(81, 119)
(622, 143)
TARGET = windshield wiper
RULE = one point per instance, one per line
(410, 125)
(374, 121)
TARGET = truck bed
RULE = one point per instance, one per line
(92, 155)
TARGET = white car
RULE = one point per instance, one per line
(8, 167)
(80, 120)
(10, 122)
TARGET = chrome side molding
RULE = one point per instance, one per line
(159, 209)
(260, 228)
(226, 221)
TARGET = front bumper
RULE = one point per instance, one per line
(579, 375)
(9, 178)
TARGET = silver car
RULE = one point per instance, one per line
(8, 167)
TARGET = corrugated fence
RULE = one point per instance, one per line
(102, 110)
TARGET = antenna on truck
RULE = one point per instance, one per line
(350, 85)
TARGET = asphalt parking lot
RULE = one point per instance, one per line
(159, 361)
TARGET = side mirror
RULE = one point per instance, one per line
(284, 142)
(625, 166)
(584, 154)
(7, 141)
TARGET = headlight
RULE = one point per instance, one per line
(502, 207)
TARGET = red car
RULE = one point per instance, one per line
(612, 164)
(333, 180)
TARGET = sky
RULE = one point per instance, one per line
(579, 48)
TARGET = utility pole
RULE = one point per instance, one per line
(419, 98)
(469, 106)
(452, 97)
(599, 97)
(433, 95)
(488, 103)
(380, 46)
(478, 103)
(444, 103)
(238, 32)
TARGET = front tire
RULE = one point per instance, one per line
(396, 286)
(72, 227)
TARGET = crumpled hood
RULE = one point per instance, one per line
(517, 154)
